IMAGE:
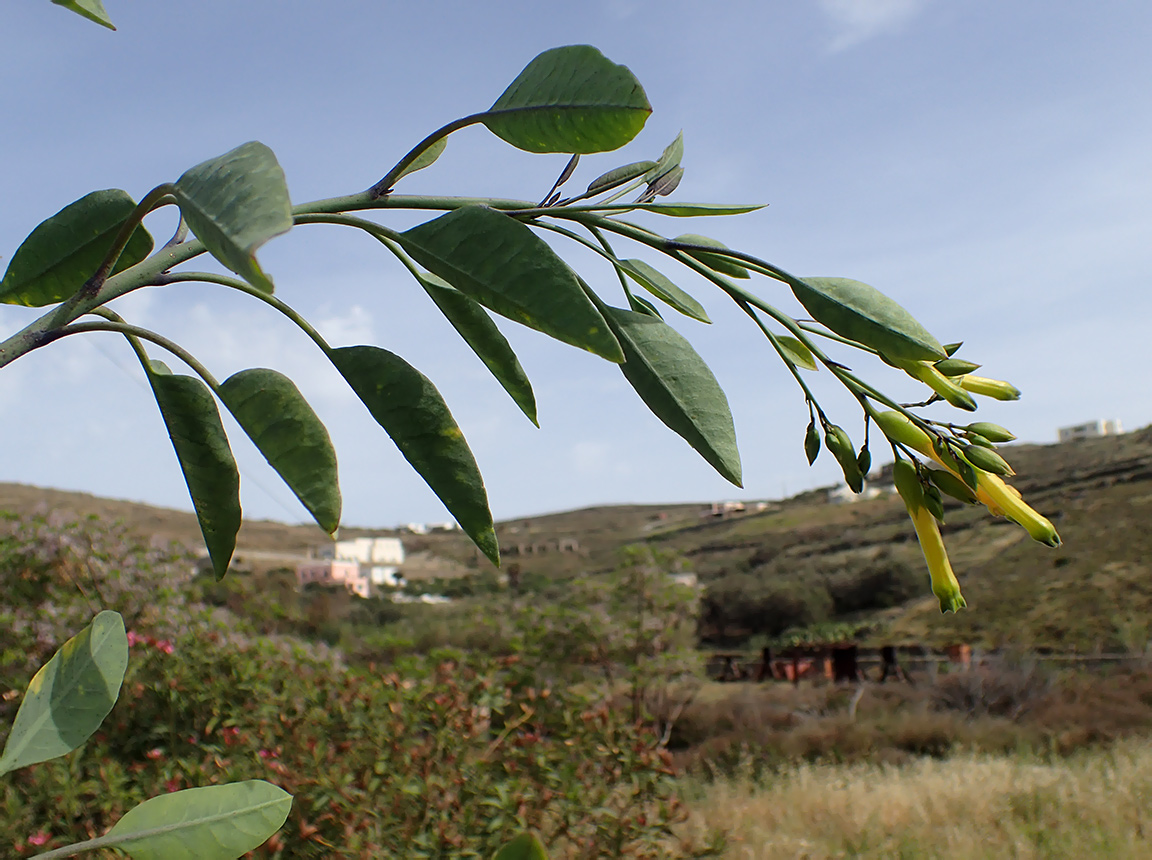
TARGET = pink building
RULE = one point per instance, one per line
(334, 570)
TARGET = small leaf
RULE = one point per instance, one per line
(660, 286)
(425, 159)
(62, 253)
(502, 264)
(666, 184)
(694, 210)
(236, 203)
(216, 822)
(292, 438)
(410, 409)
(679, 388)
(797, 352)
(70, 696)
(619, 176)
(93, 10)
(642, 306)
(526, 846)
(209, 468)
(669, 159)
(723, 265)
(864, 314)
(571, 99)
(485, 339)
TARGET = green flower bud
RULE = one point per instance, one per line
(956, 366)
(977, 439)
(933, 502)
(991, 432)
(939, 383)
(812, 443)
(952, 485)
(864, 460)
(845, 453)
(907, 482)
(950, 348)
(987, 460)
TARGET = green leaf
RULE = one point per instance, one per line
(93, 10)
(797, 352)
(410, 409)
(236, 203)
(642, 306)
(291, 437)
(864, 314)
(660, 286)
(502, 264)
(571, 99)
(62, 253)
(619, 176)
(669, 159)
(723, 265)
(694, 210)
(216, 822)
(201, 445)
(70, 696)
(425, 159)
(480, 333)
(526, 846)
(679, 388)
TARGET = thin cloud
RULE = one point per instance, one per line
(857, 21)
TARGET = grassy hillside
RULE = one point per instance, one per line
(1094, 592)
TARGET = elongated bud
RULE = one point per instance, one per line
(939, 383)
(987, 460)
(950, 348)
(864, 461)
(899, 428)
(933, 502)
(944, 583)
(845, 453)
(1003, 500)
(991, 432)
(997, 389)
(977, 439)
(952, 485)
(956, 366)
(908, 485)
(812, 442)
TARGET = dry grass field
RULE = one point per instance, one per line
(1094, 805)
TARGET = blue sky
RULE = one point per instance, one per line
(985, 163)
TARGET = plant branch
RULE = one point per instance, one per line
(384, 186)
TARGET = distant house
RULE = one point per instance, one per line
(843, 495)
(359, 564)
(1099, 427)
(334, 571)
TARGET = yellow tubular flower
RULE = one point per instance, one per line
(1003, 500)
(944, 583)
(1000, 499)
(939, 383)
(994, 388)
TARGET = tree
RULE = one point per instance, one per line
(480, 256)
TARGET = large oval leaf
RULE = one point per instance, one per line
(292, 438)
(679, 388)
(93, 10)
(486, 340)
(216, 822)
(205, 457)
(410, 409)
(71, 695)
(502, 264)
(65, 251)
(864, 314)
(570, 99)
(658, 284)
(236, 203)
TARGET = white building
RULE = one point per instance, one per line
(377, 561)
(334, 571)
(1099, 427)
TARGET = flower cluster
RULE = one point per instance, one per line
(969, 470)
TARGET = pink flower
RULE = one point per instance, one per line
(155, 753)
(39, 838)
(165, 646)
(268, 754)
(133, 638)
(172, 785)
